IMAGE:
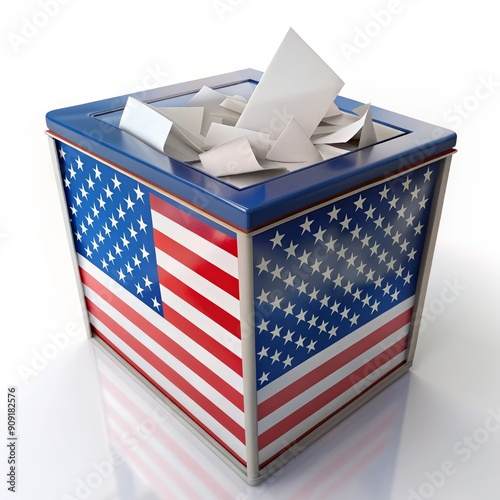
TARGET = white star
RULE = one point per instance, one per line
(334, 213)
(133, 232)
(84, 192)
(72, 172)
(409, 220)
(129, 268)
(374, 248)
(137, 262)
(324, 300)
(264, 377)
(102, 203)
(359, 203)
(145, 253)
(125, 242)
(79, 163)
(142, 224)
(130, 203)
(312, 321)
(116, 183)
(305, 257)
(404, 245)
(393, 202)
(423, 202)
(331, 244)
(139, 289)
(275, 356)
(277, 272)
(88, 251)
(94, 244)
(121, 276)
(288, 336)
(289, 281)
(62, 153)
(394, 296)
(345, 223)
(78, 236)
(348, 287)
(366, 240)
(414, 193)
(263, 297)
(319, 235)
(306, 225)
(97, 172)
(302, 288)
(366, 300)
(335, 307)
(316, 265)
(388, 229)
(408, 277)
(104, 264)
(399, 271)
(401, 212)
(406, 184)
(301, 316)
(109, 193)
(110, 256)
(121, 213)
(354, 319)
(90, 182)
(345, 312)
(95, 211)
(290, 250)
(289, 309)
(418, 228)
(276, 332)
(390, 264)
(277, 239)
(427, 175)
(327, 273)
(263, 265)
(300, 342)
(374, 306)
(263, 352)
(118, 250)
(263, 326)
(383, 194)
(369, 274)
(276, 303)
(84, 229)
(379, 221)
(357, 294)
(333, 331)
(288, 361)
(396, 237)
(322, 327)
(313, 294)
(90, 221)
(355, 232)
(67, 183)
(156, 304)
(139, 193)
(338, 280)
(114, 222)
(378, 282)
(147, 282)
(311, 346)
(342, 251)
(369, 212)
(411, 255)
(350, 261)
(387, 289)
(382, 256)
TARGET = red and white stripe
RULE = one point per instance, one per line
(175, 355)
(295, 403)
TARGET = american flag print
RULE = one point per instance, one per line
(162, 290)
(334, 293)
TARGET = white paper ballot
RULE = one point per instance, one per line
(293, 145)
(211, 100)
(368, 135)
(188, 118)
(328, 151)
(344, 134)
(230, 158)
(297, 83)
(219, 133)
(152, 127)
(235, 103)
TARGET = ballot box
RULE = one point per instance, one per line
(260, 308)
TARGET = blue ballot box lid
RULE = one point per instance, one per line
(93, 127)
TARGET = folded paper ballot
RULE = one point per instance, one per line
(289, 121)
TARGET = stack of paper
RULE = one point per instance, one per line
(290, 118)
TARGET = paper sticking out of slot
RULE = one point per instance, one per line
(290, 118)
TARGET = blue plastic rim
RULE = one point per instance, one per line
(86, 127)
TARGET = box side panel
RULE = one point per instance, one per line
(334, 295)
(161, 287)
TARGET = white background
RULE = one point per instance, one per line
(421, 58)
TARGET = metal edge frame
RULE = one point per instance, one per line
(69, 233)
(248, 356)
(430, 245)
